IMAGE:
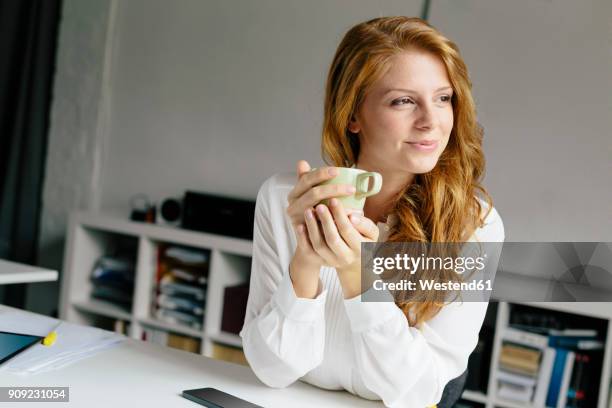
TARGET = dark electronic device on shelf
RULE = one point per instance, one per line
(170, 211)
(218, 215)
(213, 398)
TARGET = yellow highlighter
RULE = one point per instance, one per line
(50, 338)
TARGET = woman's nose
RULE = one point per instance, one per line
(426, 118)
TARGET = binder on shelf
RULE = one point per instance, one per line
(545, 372)
(565, 379)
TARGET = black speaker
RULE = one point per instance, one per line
(170, 212)
(218, 214)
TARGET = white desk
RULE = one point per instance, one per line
(139, 374)
(12, 272)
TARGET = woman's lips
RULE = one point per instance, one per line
(424, 147)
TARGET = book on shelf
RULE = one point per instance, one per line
(556, 368)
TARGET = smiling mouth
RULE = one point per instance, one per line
(424, 146)
(424, 143)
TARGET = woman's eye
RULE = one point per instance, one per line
(402, 101)
(446, 98)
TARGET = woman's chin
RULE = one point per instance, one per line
(421, 166)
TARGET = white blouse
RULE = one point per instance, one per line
(366, 348)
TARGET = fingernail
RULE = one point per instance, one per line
(333, 202)
(321, 209)
(350, 189)
(332, 171)
(355, 218)
(309, 213)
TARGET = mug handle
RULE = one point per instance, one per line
(363, 181)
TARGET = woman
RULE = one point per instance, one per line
(398, 101)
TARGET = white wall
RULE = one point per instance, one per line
(219, 95)
(542, 75)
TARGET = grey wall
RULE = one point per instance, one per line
(542, 74)
(78, 117)
(218, 95)
(159, 97)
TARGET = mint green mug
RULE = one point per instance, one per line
(360, 179)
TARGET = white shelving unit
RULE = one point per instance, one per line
(600, 310)
(91, 235)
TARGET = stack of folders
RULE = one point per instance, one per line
(113, 280)
(182, 276)
(559, 369)
(73, 342)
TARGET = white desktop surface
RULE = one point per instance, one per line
(140, 374)
(13, 272)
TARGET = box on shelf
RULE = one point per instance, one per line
(121, 327)
(228, 353)
(169, 339)
(234, 307)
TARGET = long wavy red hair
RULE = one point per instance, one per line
(438, 206)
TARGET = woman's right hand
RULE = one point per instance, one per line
(306, 194)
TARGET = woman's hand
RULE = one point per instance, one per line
(306, 194)
(337, 241)
(305, 264)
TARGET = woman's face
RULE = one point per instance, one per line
(410, 104)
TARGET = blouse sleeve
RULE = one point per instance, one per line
(408, 366)
(283, 336)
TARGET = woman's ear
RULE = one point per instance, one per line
(353, 126)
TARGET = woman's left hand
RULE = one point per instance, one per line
(338, 241)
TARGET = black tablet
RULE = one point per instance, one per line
(12, 344)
